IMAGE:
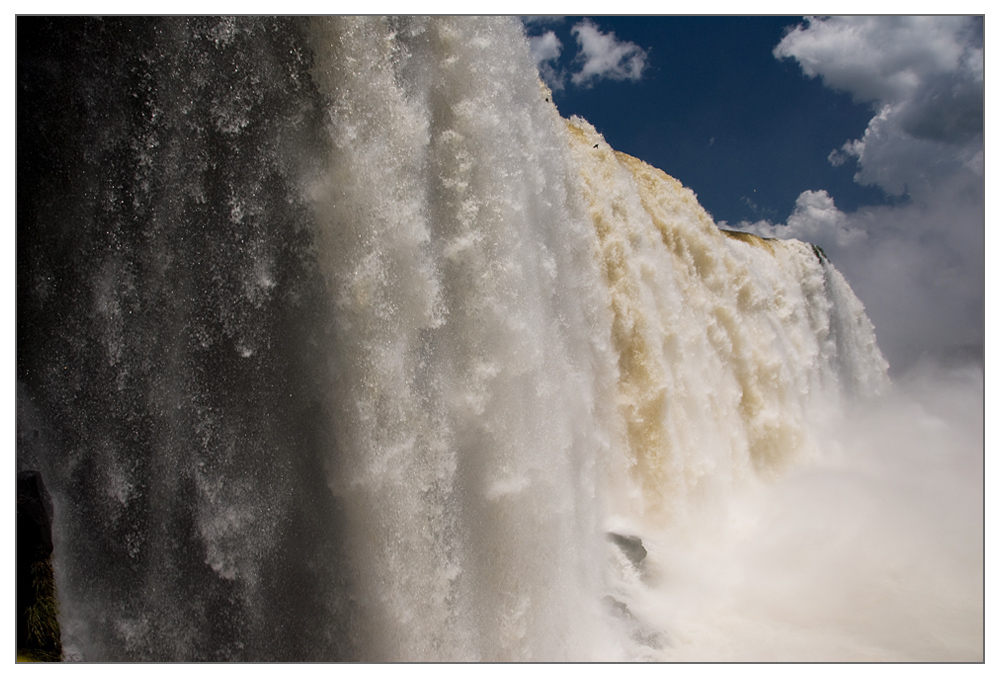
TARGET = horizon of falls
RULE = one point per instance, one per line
(336, 342)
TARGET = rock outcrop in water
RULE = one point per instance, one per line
(631, 546)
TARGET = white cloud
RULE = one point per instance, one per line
(900, 163)
(923, 77)
(602, 55)
(917, 264)
(545, 47)
(599, 56)
(545, 50)
(880, 58)
(815, 219)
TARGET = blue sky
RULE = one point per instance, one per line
(713, 108)
(861, 134)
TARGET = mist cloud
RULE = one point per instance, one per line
(884, 524)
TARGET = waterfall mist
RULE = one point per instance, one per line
(336, 342)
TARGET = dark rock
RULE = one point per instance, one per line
(638, 631)
(631, 546)
(38, 636)
(34, 516)
(619, 607)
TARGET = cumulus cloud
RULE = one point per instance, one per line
(917, 264)
(545, 50)
(545, 47)
(924, 78)
(882, 58)
(599, 55)
(602, 55)
(816, 219)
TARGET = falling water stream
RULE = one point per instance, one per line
(336, 342)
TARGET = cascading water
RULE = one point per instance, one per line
(335, 342)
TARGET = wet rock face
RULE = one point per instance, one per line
(34, 516)
(38, 636)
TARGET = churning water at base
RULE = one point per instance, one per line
(336, 342)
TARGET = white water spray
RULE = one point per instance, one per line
(518, 397)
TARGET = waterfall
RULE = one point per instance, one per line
(337, 342)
